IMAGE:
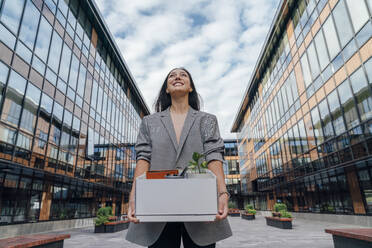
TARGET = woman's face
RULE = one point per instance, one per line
(178, 83)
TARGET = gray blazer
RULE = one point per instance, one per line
(157, 144)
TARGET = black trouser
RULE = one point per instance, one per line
(171, 237)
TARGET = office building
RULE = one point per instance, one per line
(231, 171)
(70, 112)
(305, 122)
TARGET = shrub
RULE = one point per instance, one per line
(103, 215)
(285, 214)
(248, 206)
(280, 207)
(251, 211)
(232, 205)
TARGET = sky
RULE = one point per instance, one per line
(217, 41)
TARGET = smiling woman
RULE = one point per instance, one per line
(164, 98)
(166, 141)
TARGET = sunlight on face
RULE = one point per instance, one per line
(178, 83)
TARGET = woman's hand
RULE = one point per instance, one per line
(131, 212)
(222, 207)
(141, 167)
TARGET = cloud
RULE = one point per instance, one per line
(217, 41)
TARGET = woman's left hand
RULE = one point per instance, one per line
(222, 207)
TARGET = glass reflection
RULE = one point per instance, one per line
(29, 24)
(11, 14)
(31, 104)
(362, 93)
(13, 98)
(43, 39)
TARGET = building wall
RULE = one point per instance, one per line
(306, 134)
(68, 117)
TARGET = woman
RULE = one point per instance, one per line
(167, 140)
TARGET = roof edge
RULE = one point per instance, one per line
(110, 38)
(269, 36)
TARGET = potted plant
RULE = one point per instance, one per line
(103, 215)
(278, 207)
(194, 164)
(233, 210)
(281, 217)
(249, 213)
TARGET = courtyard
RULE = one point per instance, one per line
(247, 234)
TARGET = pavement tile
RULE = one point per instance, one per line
(246, 234)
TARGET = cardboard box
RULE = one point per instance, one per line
(189, 199)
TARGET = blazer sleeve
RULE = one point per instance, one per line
(143, 146)
(212, 142)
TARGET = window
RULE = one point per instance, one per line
(335, 109)
(358, 12)
(348, 105)
(331, 37)
(306, 70)
(67, 118)
(3, 76)
(82, 78)
(342, 22)
(7, 135)
(11, 14)
(313, 61)
(362, 93)
(14, 96)
(65, 62)
(29, 24)
(55, 53)
(43, 39)
(43, 137)
(326, 119)
(74, 71)
(24, 52)
(46, 104)
(368, 66)
(31, 104)
(76, 124)
(58, 111)
(321, 49)
(318, 133)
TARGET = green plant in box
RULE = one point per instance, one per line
(280, 207)
(251, 211)
(103, 215)
(248, 206)
(194, 164)
(285, 214)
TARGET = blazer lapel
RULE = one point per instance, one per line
(190, 118)
(167, 122)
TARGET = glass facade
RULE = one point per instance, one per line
(305, 124)
(231, 171)
(70, 113)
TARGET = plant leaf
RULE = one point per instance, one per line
(195, 156)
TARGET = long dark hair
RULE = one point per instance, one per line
(164, 100)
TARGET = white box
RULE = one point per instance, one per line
(189, 199)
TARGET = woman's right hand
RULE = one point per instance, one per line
(131, 212)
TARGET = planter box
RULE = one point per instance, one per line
(234, 213)
(99, 229)
(248, 216)
(111, 227)
(117, 226)
(189, 199)
(283, 223)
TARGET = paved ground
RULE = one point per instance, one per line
(247, 234)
